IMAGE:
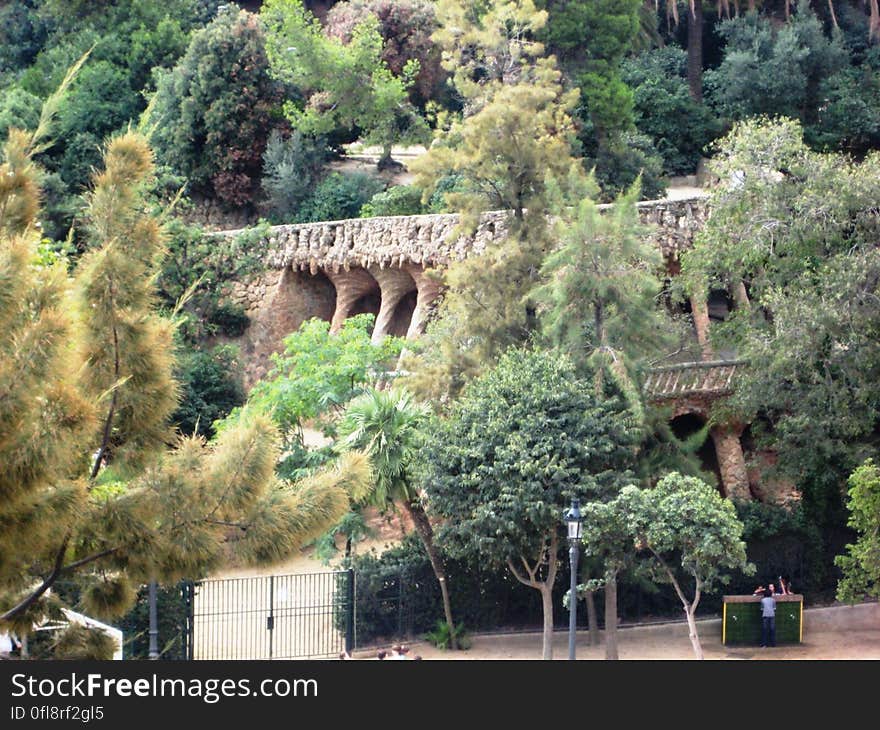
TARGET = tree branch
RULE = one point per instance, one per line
(44, 586)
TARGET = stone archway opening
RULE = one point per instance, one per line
(403, 314)
(370, 302)
(688, 424)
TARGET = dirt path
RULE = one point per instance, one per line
(862, 644)
(840, 632)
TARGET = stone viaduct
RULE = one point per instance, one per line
(336, 269)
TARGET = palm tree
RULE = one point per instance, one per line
(386, 426)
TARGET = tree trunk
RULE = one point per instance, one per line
(592, 618)
(692, 632)
(426, 533)
(547, 604)
(611, 617)
(695, 52)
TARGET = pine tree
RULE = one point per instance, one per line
(91, 487)
(519, 131)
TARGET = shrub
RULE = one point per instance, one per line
(622, 159)
(339, 196)
(397, 200)
(441, 636)
(210, 384)
(292, 167)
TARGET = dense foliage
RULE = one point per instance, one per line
(115, 311)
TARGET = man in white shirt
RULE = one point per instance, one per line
(768, 619)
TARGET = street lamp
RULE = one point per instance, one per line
(154, 621)
(575, 524)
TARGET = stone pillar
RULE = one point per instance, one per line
(350, 286)
(731, 462)
(700, 312)
(394, 285)
(428, 291)
(740, 295)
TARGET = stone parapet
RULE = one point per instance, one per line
(428, 240)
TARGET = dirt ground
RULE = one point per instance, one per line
(639, 643)
(666, 641)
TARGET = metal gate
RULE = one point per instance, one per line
(272, 617)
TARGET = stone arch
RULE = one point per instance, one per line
(728, 461)
(354, 288)
(686, 424)
(394, 285)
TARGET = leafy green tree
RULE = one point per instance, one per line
(346, 85)
(773, 71)
(388, 427)
(591, 38)
(861, 564)
(523, 440)
(607, 537)
(663, 109)
(685, 521)
(317, 374)
(212, 114)
(793, 232)
(406, 27)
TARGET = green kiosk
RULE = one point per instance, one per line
(741, 623)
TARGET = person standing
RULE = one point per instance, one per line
(768, 619)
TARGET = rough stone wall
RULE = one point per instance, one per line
(278, 302)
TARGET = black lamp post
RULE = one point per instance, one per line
(575, 526)
(154, 622)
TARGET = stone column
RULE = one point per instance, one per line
(394, 285)
(428, 291)
(350, 286)
(732, 462)
(740, 295)
(700, 312)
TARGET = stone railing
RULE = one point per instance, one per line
(692, 378)
(427, 240)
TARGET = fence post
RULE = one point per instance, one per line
(349, 618)
(270, 621)
(189, 633)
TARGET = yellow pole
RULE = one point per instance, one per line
(801, 633)
(724, 625)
